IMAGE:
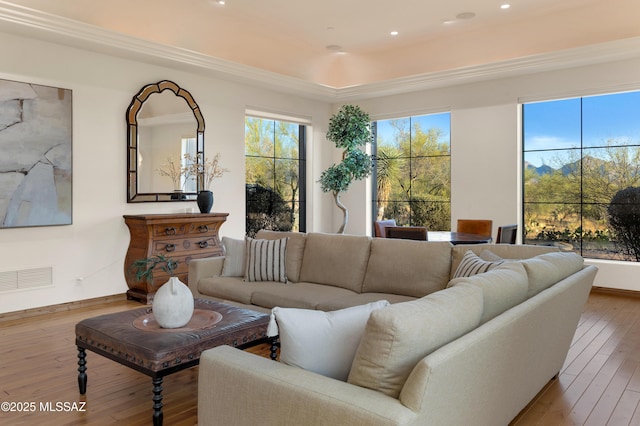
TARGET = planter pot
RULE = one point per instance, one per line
(205, 201)
(173, 304)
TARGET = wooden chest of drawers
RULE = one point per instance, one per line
(182, 237)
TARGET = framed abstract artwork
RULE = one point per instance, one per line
(36, 160)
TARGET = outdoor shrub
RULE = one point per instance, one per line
(624, 220)
(267, 210)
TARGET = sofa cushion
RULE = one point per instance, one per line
(233, 265)
(356, 299)
(502, 288)
(472, 264)
(295, 250)
(298, 295)
(234, 288)
(335, 260)
(322, 342)
(406, 267)
(265, 260)
(547, 269)
(398, 336)
(505, 251)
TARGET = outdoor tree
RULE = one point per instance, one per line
(624, 219)
(349, 129)
(271, 174)
(570, 202)
(413, 176)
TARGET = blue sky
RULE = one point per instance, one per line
(595, 120)
(440, 121)
(560, 125)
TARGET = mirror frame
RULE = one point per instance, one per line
(133, 196)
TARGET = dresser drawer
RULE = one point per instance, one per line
(169, 230)
(182, 269)
(205, 228)
(177, 246)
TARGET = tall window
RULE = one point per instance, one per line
(275, 175)
(412, 158)
(578, 153)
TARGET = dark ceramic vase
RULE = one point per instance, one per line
(205, 201)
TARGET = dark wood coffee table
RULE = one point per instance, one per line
(134, 339)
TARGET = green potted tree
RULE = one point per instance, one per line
(349, 129)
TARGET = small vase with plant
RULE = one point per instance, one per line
(173, 302)
(176, 172)
(210, 171)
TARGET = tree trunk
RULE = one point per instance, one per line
(345, 213)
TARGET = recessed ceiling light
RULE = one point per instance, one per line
(505, 6)
(221, 2)
(465, 15)
(335, 49)
(394, 33)
(448, 21)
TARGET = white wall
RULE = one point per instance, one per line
(485, 157)
(94, 246)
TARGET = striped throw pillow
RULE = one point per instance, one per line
(265, 260)
(471, 264)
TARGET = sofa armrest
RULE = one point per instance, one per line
(203, 268)
(237, 388)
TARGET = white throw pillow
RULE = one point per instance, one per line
(322, 342)
(233, 265)
(472, 264)
(265, 260)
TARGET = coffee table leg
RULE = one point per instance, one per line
(273, 349)
(157, 401)
(82, 368)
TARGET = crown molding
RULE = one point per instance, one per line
(43, 26)
(562, 59)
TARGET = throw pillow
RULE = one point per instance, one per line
(400, 335)
(472, 264)
(322, 342)
(489, 256)
(265, 260)
(233, 265)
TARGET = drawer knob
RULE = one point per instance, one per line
(203, 244)
(170, 230)
(170, 247)
(203, 228)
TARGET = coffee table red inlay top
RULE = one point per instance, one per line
(130, 338)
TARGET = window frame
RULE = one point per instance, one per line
(584, 149)
(303, 128)
(411, 158)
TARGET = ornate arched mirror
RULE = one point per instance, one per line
(165, 135)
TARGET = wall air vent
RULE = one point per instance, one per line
(25, 279)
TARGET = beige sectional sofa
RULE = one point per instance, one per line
(447, 351)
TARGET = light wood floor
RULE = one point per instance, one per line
(599, 384)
